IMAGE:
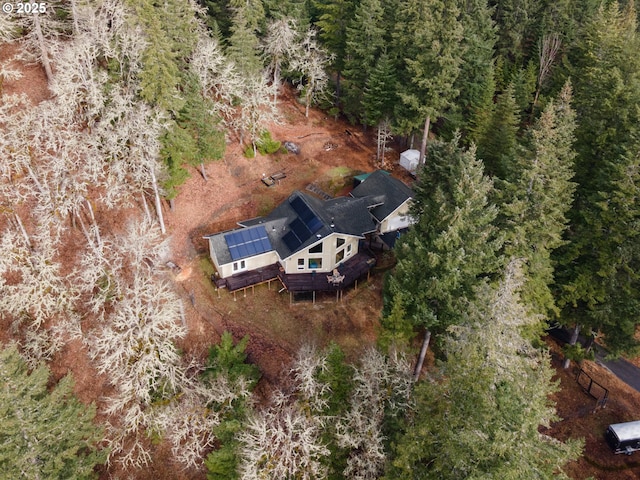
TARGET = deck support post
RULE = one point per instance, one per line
(290, 298)
(314, 296)
(234, 296)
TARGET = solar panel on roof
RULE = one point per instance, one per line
(305, 214)
(291, 241)
(314, 225)
(248, 242)
(300, 229)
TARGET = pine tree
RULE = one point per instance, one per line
(428, 44)
(244, 45)
(450, 247)
(45, 434)
(539, 197)
(475, 83)
(516, 21)
(365, 42)
(481, 415)
(334, 17)
(598, 268)
(378, 97)
(496, 140)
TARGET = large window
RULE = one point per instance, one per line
(339, 242)
(315, 263)
(316, 249)
(339, 256)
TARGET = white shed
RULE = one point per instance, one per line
(409, 160)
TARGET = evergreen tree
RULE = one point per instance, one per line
(598, 268)
(365, 42)
(516, 21)
(334, 17)
(378, 97)
(228, 362)
(219, 17)
(298, 10)
(171, 32)
(475, 83)
(481, 415)
(244, 45)
(538, 198)
(497, 138)
(450, 247)
(45, 434)
(428, 45)
(606, 78)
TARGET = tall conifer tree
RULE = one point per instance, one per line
(428, 44)
(481, 415)
(45, 434)
(365, 42)
(496, 139)
(449, 248)
(599, 267)
(538, 197)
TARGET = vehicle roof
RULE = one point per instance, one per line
(627, 430)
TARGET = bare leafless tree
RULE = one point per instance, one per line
(311, 61)
(383, 136)
(282, 441)
(279, 46)
(547, 52)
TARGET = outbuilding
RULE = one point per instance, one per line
(409, 160)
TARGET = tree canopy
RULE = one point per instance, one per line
(45, 434)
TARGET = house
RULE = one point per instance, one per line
(390, 209)
(308, 236)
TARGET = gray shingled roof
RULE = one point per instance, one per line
(345, 215)
(388, 192)
(379, 195)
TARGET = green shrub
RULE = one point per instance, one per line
(249, 152)
(267, 145)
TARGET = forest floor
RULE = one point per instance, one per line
(331, 152)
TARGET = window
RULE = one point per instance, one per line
(348, 250)
(301, 264)
(238, 266)
(339, 256)
(316, 249)
(315, 263)
(339, 242)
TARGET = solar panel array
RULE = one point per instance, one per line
(248, 242)
(302, 227)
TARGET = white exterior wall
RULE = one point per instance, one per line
(328, 255)
(398, 219)
(250, 263)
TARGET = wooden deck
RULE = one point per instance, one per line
(347, 274)
(247, 279)
(352, 270)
